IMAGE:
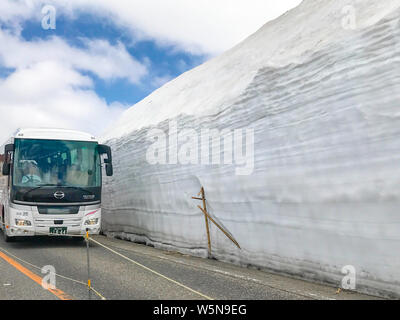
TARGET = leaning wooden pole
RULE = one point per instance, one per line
(203, 197)
(219, 227)
(207, 216)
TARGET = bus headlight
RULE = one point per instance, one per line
(22, 222)
(91, 221)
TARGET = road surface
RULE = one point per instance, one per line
(121, 274)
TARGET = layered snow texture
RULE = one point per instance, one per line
(323, 101)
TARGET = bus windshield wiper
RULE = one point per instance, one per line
(78, 188)
(39, 186)
(57, 185)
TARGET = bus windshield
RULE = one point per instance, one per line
(56, 163)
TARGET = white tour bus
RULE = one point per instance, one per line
(51, 183)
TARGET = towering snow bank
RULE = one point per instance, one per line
(325, 190)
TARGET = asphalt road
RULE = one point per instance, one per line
(179, 277)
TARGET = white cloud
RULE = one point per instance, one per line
(196, 26)
(51, 94)
(205, 26)
(98, 56)
(22, 9)
(47, 87)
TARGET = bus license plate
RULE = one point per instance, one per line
(58, 230)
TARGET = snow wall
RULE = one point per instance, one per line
(323, 101)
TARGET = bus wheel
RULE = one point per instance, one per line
(6, 237)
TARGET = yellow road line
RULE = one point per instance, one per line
(57, 292)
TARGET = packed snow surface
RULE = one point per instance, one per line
(320, 88)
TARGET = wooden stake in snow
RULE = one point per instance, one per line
(207, 216)
(203, 198)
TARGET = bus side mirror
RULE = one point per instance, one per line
(7, 161)
(103, 149)
(6, 169)
(109, 169)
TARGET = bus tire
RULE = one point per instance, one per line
(3, 227)
(6, 237)
(78, 239)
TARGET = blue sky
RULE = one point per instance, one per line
(165, 62)
(104, 56)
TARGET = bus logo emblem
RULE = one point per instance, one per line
(59, 195)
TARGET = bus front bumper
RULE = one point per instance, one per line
(54, 230)
(27, 222)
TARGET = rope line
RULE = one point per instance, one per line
(56, 274)
(151, 270)
(113, 251)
